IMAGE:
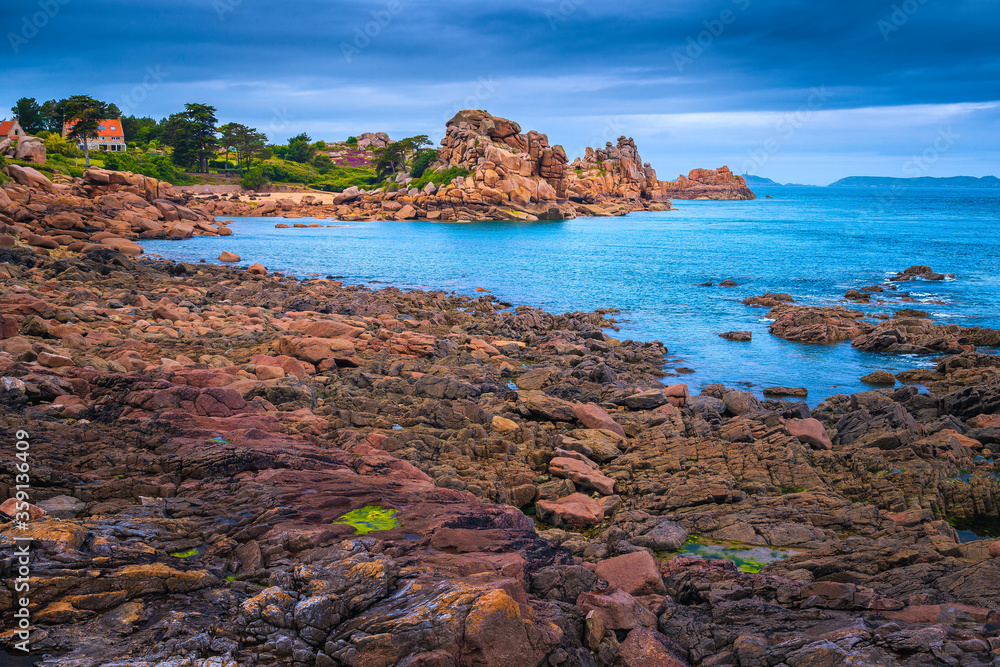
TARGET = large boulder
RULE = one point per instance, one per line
(30, 149)
(648, 648)
(574, 511)
(32, 178)
(635, 573)
(809, 432)
(582, 472)
(594, 417)
(538, 404)
(324, 353)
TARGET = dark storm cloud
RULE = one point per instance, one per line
(326, 66)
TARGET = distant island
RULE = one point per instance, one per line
(923, 182)
(759, 181)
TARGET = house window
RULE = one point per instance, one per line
(101, 127)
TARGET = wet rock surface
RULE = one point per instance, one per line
(239, 468)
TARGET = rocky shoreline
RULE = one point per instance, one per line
(240, 468)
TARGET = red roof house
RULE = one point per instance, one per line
(11, 129)
(110, 135)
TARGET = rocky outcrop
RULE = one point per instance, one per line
(618, 170)
(805, 324)
(716, 184)
(104, 209)
(29, 149)
(613, 171)
(508, 166)
(922, 336)
(513, 176)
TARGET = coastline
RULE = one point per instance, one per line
(204, 394)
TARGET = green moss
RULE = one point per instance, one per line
(190, 553)
(747, 557)
(231, 577)
(369, 519)
(794, 489)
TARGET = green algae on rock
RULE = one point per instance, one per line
(748, 558)
(190, 553)
(369, 519)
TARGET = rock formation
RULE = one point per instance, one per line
(717, 184)
(514, 176)
(234, 468)
(614, 171)
(29, 149)
(103, 209)
(511, 166)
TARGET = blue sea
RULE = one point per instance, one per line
(814, 243)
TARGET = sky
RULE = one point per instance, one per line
(798, 91)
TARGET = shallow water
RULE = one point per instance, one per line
(814, 243)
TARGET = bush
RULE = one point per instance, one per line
(352, 141)
(439, 178)
(56, 145)
(154, 166)
(424, 159)
(288, 172)
(254, 179)
(323, 163)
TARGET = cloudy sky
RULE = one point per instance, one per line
(794, 90)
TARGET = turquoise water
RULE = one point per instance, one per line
(814, 243)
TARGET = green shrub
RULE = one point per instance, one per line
(352, 141)
(254, 178)
(323, 163)
(154, 166)
(424, 159)
(439, 178)
(284, 171)
(56, 145)
(338, 179)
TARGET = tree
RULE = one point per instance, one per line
(137, 129)
(227, 139)
(393, 158)
(54, 115)
(86, 114)
(389, 160)
(424, 159)
(191, 133)
(246, 142)
(300, 149)
(28, 113)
